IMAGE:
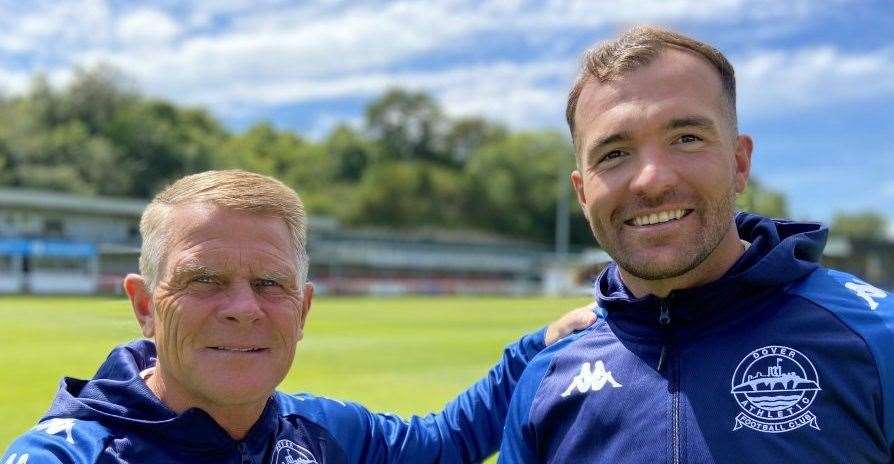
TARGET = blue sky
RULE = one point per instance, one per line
(816, 78)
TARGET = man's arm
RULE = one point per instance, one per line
(468, 429)
(57, 441)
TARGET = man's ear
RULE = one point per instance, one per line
(141, 300)
(306, 299)
(744, 146)
(577, 183)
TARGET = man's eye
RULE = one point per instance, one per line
(614, 154)
(266, 283)
(688, 138)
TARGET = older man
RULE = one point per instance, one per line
(223, 295)
(723, 339)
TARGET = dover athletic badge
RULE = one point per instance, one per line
(773, 387)
(289, 452)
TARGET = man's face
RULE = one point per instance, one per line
(227, 312)
(660, 166)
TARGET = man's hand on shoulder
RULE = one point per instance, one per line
(574, 320)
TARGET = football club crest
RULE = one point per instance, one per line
(773, 387)
(289, 452)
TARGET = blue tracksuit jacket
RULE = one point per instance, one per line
(115, 418)
(779, 361)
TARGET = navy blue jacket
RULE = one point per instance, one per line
(778, 361)
(115, 418)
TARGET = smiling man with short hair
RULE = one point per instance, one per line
(723, 340)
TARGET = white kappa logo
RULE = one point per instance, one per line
(289, 452)
(591, 380)
(56, 426)
(774, 386)
(867, 292)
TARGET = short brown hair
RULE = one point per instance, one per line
(635, 48)
(233, 189)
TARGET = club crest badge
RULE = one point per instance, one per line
(289, 452)
(773, 387)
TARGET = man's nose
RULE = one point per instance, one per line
(242, 304)
(656, 174)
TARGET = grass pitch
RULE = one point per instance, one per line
(402, 355)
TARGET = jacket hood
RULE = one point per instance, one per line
(117, 397)
(781, 252)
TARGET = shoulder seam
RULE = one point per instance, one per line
(537, 438)
(866, 347)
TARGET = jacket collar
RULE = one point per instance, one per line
(781, 252)
(117, 397)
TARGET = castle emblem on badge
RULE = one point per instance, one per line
(289, 452)
(773, 387)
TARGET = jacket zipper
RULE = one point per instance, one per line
(243, 453)
(675, 405)
(664, 318)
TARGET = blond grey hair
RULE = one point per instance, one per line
(611, 60)
(233, 189)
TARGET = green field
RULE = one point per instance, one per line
(403, 355)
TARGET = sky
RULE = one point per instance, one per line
(815, 78)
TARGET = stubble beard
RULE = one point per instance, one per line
(714, 216)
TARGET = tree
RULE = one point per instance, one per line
(467, 135)
(47, 149)
(98, 135)
(95, 96)
(865, 225)
(408, 194)
(301, 164)
(407, 126)
(349, 152)
(514, 184)
(160, 142)
(758, 199)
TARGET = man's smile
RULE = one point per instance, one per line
(658, 217)
(239, 349)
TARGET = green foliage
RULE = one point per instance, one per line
(99, 136)
(758, 199)
(349, 152)
(161, 142)
(409, 166)
(408, 194)
(468, 135)
(301, 164)
(514, 183)
(407, 126)
(866, 225)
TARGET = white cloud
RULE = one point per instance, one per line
(783, 81)
(56, 29)
(238, 54)
(147, 28)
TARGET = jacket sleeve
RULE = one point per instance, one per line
(868, 311)
(468, 429)
(521, 443)
(57, 441)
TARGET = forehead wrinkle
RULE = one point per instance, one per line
(274, 272)
(691, 121)
(192, 268)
